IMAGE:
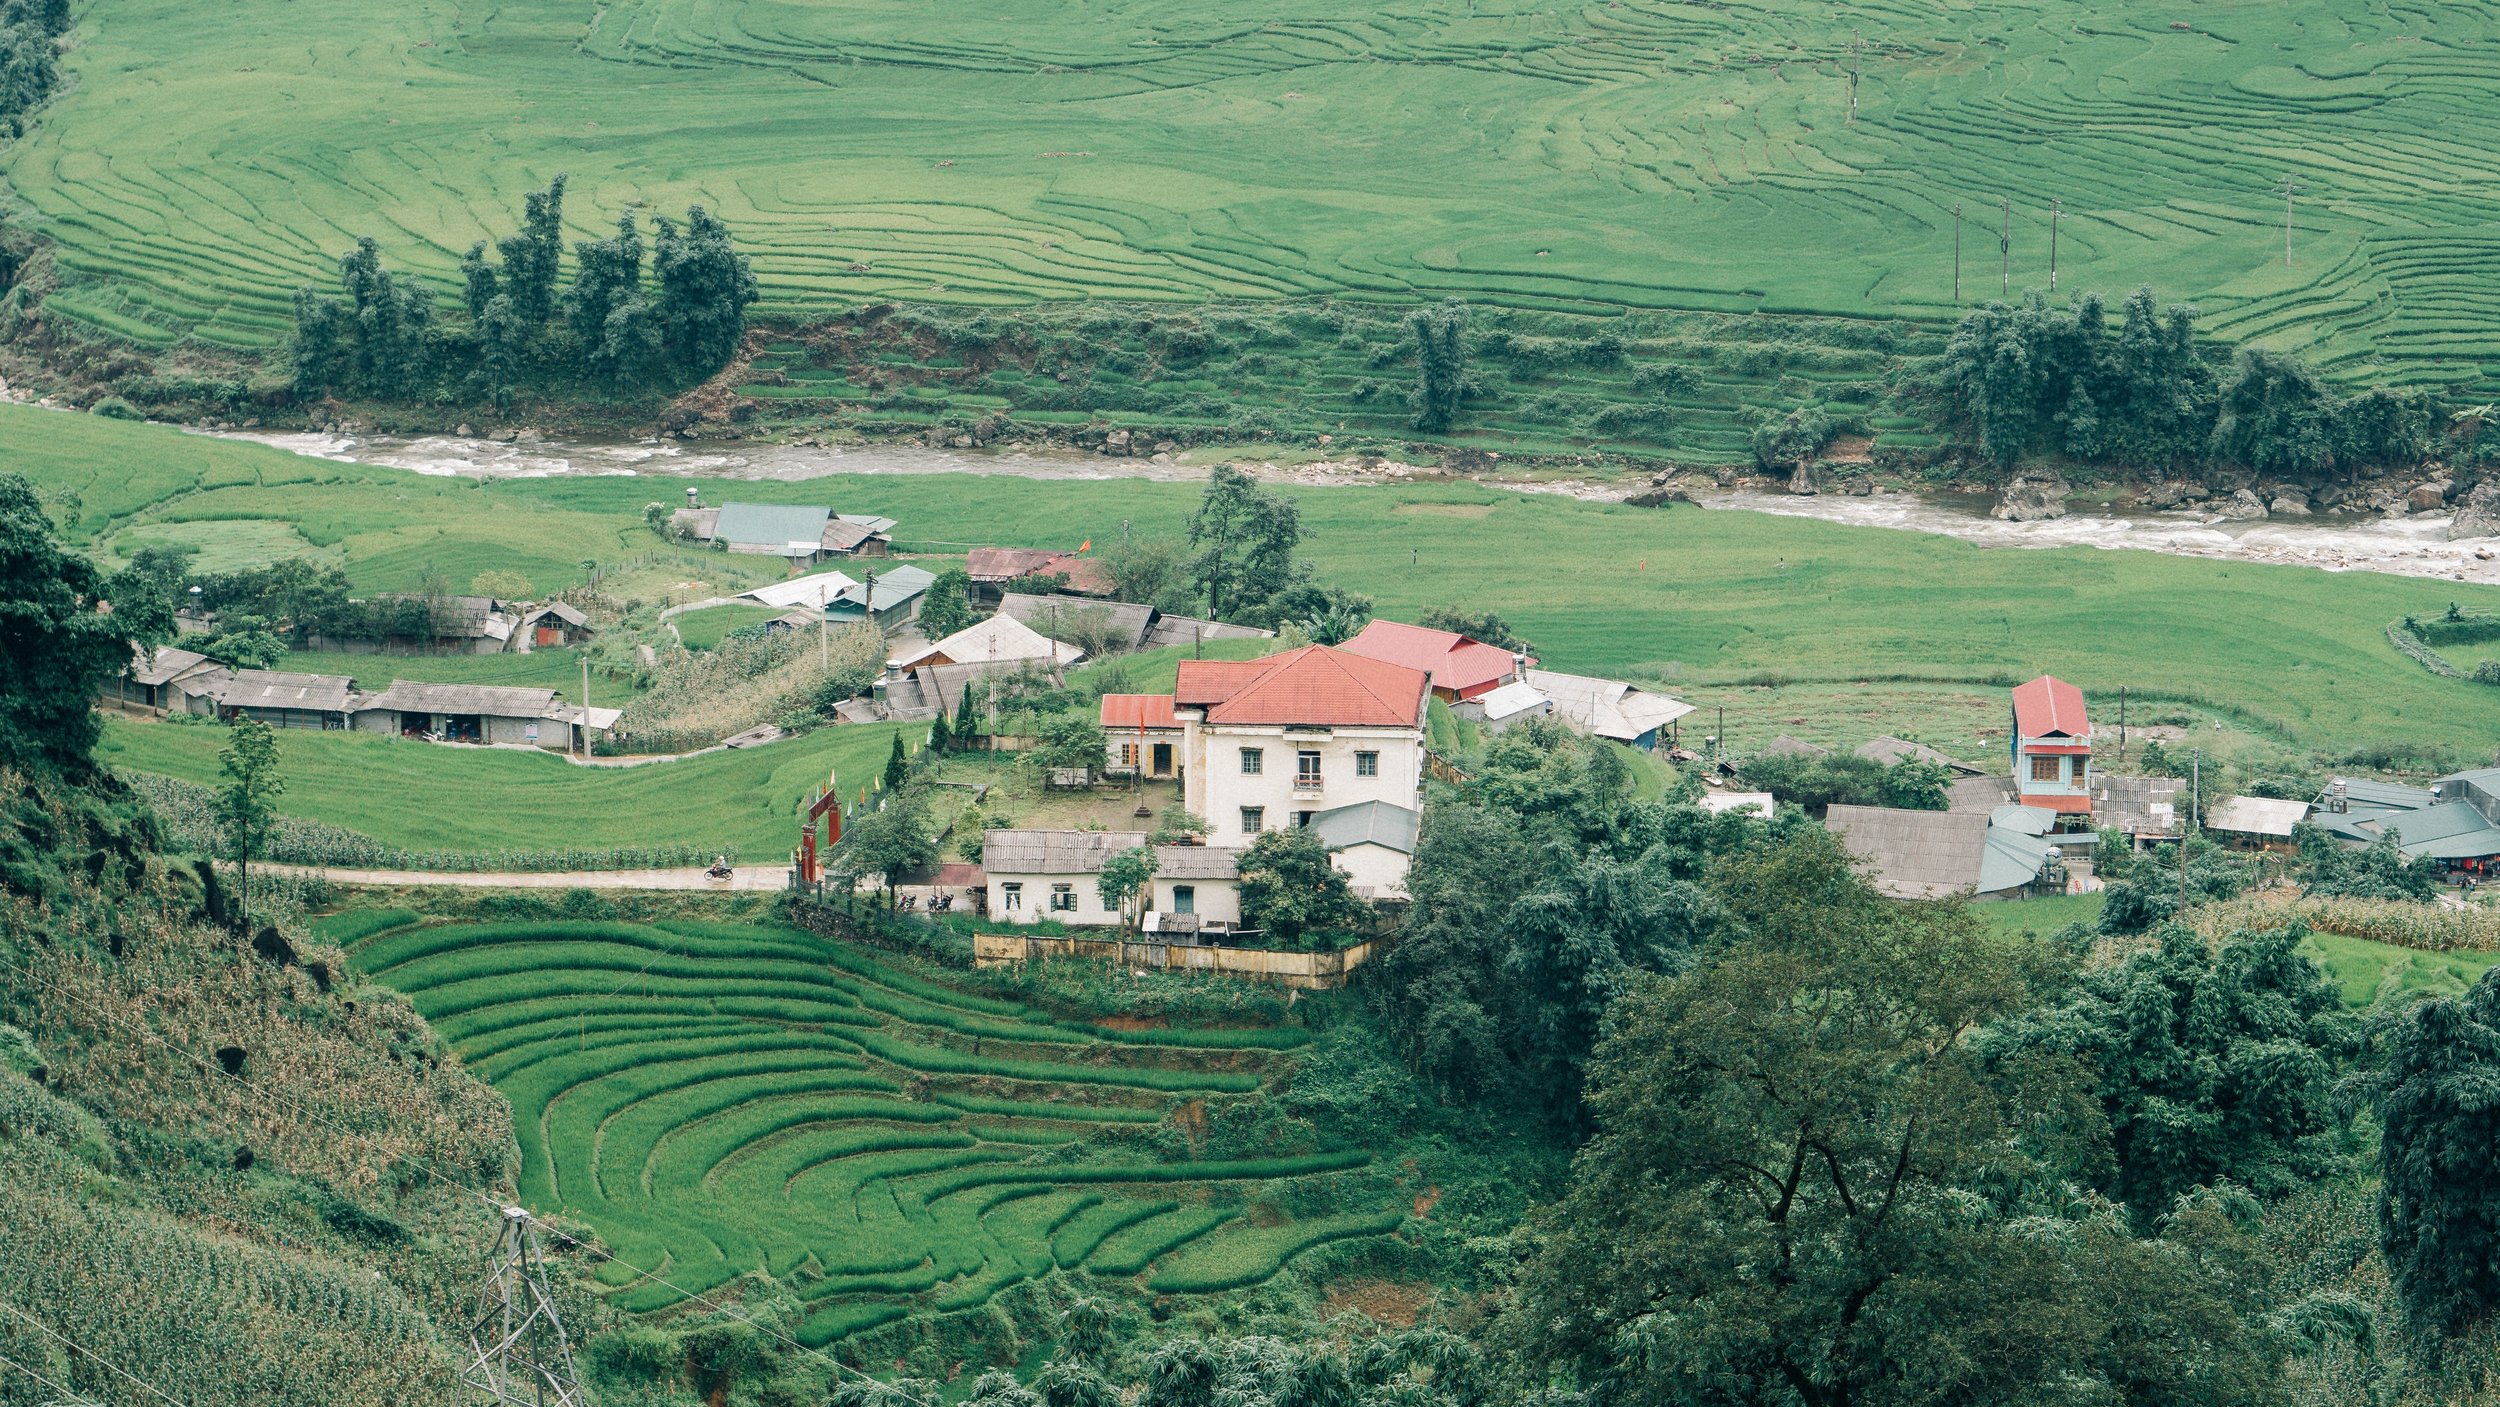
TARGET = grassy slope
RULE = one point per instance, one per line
(1642, 153)
(1687, 595)
(706, 628)
(2368, 971)
(425, 797)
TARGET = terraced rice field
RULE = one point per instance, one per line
(1636, 153)
(722, 1100)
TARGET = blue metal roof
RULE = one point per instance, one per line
(774, 525)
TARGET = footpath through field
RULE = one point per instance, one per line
(758, 878)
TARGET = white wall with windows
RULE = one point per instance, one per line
(1049, 898)
(1246, 778)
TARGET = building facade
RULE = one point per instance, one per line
(2052, 747)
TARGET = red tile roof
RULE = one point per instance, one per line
(2049, 707)
(1455, 662)
(1205, 682)
(1315, 685)
(1134, 711)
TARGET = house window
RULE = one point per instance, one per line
(1367, 764)
(1011, 896)
(1184, 898)
(1252, 818)
(1253, 761)
(1302, 819)
(1306, 768)
(1128, 754)
(2044, 769)
(1063, 898)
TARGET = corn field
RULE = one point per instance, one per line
(2435, 928)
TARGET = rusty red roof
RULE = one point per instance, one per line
(1455, 662)
(1133, 711)
(2049, 707)
(998, 565)
(1315, 685)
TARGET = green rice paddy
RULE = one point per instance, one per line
(718, 1100)
(1638, 153)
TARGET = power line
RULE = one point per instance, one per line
(427, 1167)
(85, 1352)
(68, 1397)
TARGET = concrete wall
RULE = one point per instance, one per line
(1034, 904)
(1374, 867)
(1216, 900)
(1310, 971)
(1217, 789)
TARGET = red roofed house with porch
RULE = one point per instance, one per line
(2052, 747)
(1460, 668)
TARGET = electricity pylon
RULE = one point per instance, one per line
(519, 1354)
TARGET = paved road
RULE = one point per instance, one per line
(746, 878)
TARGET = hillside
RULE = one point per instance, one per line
(1636, 154)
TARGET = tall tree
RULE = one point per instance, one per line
(705, 287)
(322, 334)
(1440, 364)
(247, 801)
(1288, 888)
(1244, 535)
(1807, 1189)
(478, 281)
(59, 643)
(946, 607)
(2211, 1064)
(389, 318)
(532, 257)
(2439, 1206)
(611, 321)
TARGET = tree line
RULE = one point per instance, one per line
(633, 314)
(2030, 378)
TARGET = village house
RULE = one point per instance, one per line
(1142, 729)
(2052, 747)
(805, 535)
(165, 680)
(2256, 822)
(997, 640)
(465, 713)
(1373, 842)
(283, 699)
(552, 626)
(1115, 625)
(1036, 876)
(2455, 821)
(898, 594)
(1272, 742)
(1169, 632)
(1591, 707)
(1936, 854)
(995, 570)
(1460, 668)
(432, 625)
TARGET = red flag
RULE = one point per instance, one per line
(1086, 546)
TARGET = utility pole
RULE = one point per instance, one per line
(2005, 249)
(2122, 725)
(585, 708)
(2289, 187)
(1957, 254)
(1857, 47)
(824, 626)
(2054, 206)
(518, 1351)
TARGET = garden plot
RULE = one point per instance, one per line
(717, 1100)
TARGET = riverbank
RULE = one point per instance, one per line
(2404, 545)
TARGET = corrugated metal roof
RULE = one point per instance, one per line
(1606, 708)
(2256, 815)
(2050, 707)
(1196, 862)
(1981, 794)
(270, 688)
(1889, 750)
(997, 564)
(163, 663)
(1784, 745)
(1316, 685)
(1186, 630)
(1023, 852)
(804, 590)
(773, 525)
(2452, 830)
(560, 611)
(2137, 805)
(1454, 661)
(1932, 854)
(1512, 700)
(1380, 823)
(999, 639)
(1123, 620)
(893, 587)
(411, 696)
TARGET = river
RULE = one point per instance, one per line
(2407, 546)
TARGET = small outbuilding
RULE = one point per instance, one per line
(1372, 843)
(552, 626)
(1937, 854)
(2255, 822)
(998, 640)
